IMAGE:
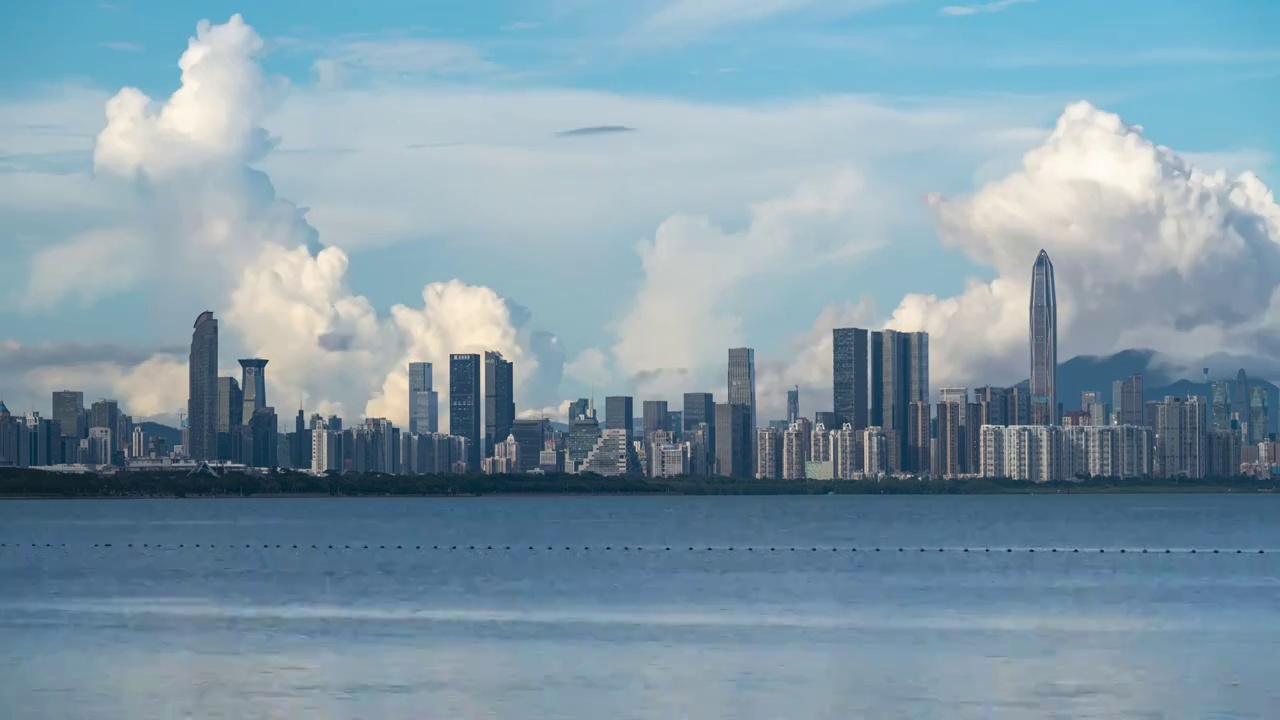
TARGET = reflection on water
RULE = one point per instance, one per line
(128, 633)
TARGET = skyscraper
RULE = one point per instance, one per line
(655, 418)
(919, 447)
(464, 404)
(849, 354)
(1182, 437)
(793, 404)
(1240, 401)
(700, 410)
(1220, 405)
(1126, 401)
(903, 378)
(105, 413)
(253, 385)
(202, 389)
(424, 402)
(68, 411)
(1044, 343)
(1258, 417)
(618, 415)
(499, 403)
(742, 388)
(950, 442)
(733, 451)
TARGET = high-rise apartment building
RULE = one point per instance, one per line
(1224, 453)
(499, 399)
(464, 404)
(733, 441)
(742, 386)
(1181, 441)
(253, 386)
(424, 401)
(950, 443)
(849, 357)
(795, 451)
(202, 389)
(768, 454)
(1023, 452)
(1044, 343)
(619, 414)
(846, 453)
(877, 445)
(919, 435)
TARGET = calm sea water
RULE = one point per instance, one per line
(147, 629)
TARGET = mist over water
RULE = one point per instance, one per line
(762, 630)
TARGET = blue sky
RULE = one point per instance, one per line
(936, 96)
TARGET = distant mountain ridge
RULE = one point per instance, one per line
(1094, 372)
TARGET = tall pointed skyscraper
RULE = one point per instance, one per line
(253, 385)
(202, 394)
(1044, 343)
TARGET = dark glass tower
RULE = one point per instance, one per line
(499, 403)
(68, 411)
(464, 404)
(1044, 343)
(202, 389)
(742, 388)
(619, 415)
(849, 376)
(253, 385)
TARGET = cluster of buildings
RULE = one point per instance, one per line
(883, 422)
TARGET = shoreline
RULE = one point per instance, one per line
(1047, 491)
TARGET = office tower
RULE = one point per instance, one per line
(742, 386)
(263, 447)
(971, 437)
(530, 437)
(230, 404)
(846, 453)
(675, 424)
(1019, 409)
(618, 412)
(1126, 401)
(904, 378)
(768, 454)
(424, 401)
(849, 355)
(994, 402)
(793, 404)
(949, 441)
(202, 390)
(1240, 399)
(795, 451)
(655, 418)
(1220, 405)
(612, 455)
(124, 432)
(253, 386)
(1091, 403)
(464, 404)
(9, 440)
(1224, 453)
(1259, 430)
(68, 409)
(1182, 438)
(1044, 343)
(100, 445)
(106, 414)
(827, 418)
(584, 431)
(733, 441)
(577, 408)
(670, 460)
(499, 402)
(875, 395)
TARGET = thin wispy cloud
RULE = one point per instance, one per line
(595, 130)
(681, 21)
(122, 46)
(989, 7)
(521, 25)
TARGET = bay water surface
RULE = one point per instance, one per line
(642, 607)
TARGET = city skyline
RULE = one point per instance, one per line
(294, 278)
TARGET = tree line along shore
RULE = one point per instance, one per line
(29, 483)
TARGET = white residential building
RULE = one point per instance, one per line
(794, 452)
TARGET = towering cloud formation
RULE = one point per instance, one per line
(213, 220)
(1149, 251)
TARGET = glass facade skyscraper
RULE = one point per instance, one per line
(849, 387)
(424, 407)
(464, 404)
(202, 391)
(1044, 343)
(499, 402)
(742, 388)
